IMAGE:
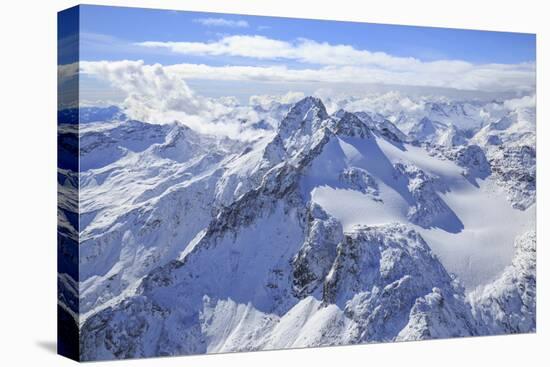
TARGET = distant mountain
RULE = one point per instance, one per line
(515, 128)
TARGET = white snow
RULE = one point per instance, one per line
(477, 253)
(305, 237)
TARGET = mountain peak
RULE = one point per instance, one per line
(351, 125)
(309, 102)
(307, 109)
(425, 128)
(303, 119)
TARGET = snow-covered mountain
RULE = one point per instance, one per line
(327, 229)
(517, 127)
(452, 122)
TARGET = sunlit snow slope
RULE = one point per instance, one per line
(327, 229)
(475, 240)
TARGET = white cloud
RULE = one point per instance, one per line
(221, 22)
(160, 94)
(149, 88)
(491, 77)
(301, 50)
(259, 47)
(155, 94)
(267, 101)
(484, 77)
(342, 64)
(519, 103)
(390, 103)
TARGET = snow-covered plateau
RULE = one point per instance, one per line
(361, 223)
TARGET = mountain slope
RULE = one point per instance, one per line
(333, 229)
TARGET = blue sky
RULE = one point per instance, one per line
(424, 43)
(219, 55)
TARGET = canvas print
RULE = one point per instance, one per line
(235, 183)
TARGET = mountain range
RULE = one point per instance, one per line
(329, 228)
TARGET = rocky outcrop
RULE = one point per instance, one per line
(515, 168)
(473, 159)
(360, 180)
(314, 260)
(427, 206)
(350, 125)
(389, 282)
(508, 305)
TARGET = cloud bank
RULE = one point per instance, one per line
(156, 95)
(327, 63)
(159, 94)
(149, 88)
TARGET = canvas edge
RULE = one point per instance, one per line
(68, 44)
